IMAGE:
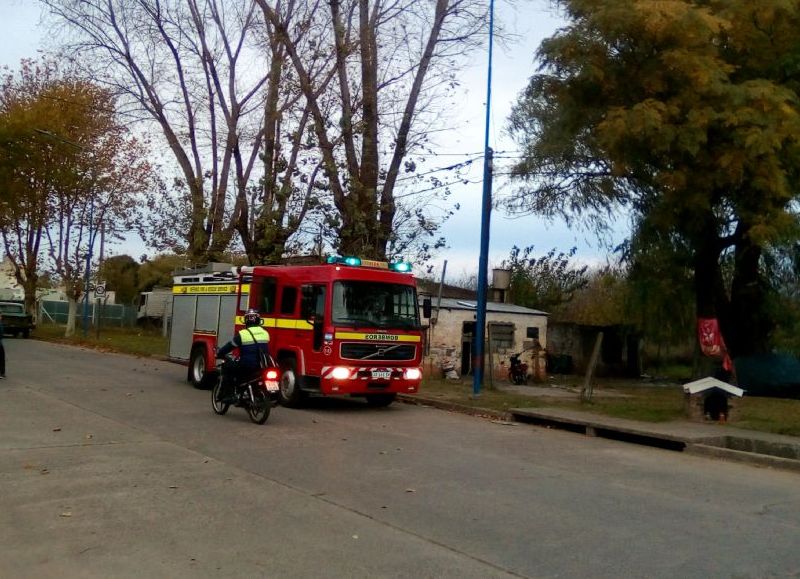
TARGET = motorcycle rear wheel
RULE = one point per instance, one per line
(259, 408)
(216, 404)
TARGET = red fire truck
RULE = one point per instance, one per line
(347, 327)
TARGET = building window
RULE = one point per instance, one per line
(501, 336)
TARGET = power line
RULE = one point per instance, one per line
(440, 169)
(436, 187)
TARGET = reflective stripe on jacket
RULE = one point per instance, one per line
(253, 343)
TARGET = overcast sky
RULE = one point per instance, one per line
(22, 37)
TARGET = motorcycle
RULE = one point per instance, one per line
(517, 370)
(257, 395)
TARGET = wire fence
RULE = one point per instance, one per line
(108, 315)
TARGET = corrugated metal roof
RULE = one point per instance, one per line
(453, 304)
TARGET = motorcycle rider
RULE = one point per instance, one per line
(253, 344)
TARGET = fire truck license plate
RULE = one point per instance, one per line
(381, 374)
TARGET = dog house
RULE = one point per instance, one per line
(711, 399)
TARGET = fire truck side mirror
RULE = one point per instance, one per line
(426, 308)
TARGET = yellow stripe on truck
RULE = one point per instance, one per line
(209, 289)
(376, 337)
(280, 323)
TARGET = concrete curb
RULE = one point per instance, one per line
(741, 456)
(454, 407)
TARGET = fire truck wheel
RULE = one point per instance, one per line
(380, 400)
(197, 370)
(291, 395)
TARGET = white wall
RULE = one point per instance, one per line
(445, 337)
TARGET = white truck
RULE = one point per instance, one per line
(155, 305)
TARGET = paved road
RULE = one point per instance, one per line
(114, 466)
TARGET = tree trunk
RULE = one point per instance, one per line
(30, 293)
(709, 296)
(751, 322)
(71, 316)
(359, 230)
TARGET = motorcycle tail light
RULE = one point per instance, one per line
(271, 374)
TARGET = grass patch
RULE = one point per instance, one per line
(778, 415)
(461, 393)
(646, 403)
(137, 341)
(629, 399)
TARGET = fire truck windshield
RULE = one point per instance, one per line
(375, 304)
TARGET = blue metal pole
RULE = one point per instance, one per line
(88, 267)
(486, 212)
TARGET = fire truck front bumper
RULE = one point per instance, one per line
(370, 380)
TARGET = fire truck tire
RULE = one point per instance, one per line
(290, 393)
(380, 400)
(198, 376)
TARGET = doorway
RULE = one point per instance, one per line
(467, 350)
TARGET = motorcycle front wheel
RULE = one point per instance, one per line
(216, 392)
(259, 407)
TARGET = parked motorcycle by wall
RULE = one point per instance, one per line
(517, 370)
(256, 395)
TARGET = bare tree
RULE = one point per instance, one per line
(180, 62)
(217, 85)
(293, 187)
(392, 60)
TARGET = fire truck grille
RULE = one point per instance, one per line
(383, 352)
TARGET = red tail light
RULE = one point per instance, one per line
(271, 374)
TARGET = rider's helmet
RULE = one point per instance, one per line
(252, 318)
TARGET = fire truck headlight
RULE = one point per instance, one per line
(340, 373)
(413, 374)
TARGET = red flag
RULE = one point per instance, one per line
(711, 341)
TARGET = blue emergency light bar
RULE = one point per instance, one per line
(347, 260)
(398, 266)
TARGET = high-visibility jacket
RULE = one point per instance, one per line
(253, 343)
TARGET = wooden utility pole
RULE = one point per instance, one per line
(586, 391)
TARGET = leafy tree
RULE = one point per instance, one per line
(99, 184)
(158, 271)
(687, 113)
(602, 301)
(660, 289)
(783, 271)
(30, 165)
(72, 167)
(121, 273)
(543, 282)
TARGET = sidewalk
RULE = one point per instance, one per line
(704, 439)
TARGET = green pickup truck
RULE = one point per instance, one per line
(15, 320)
